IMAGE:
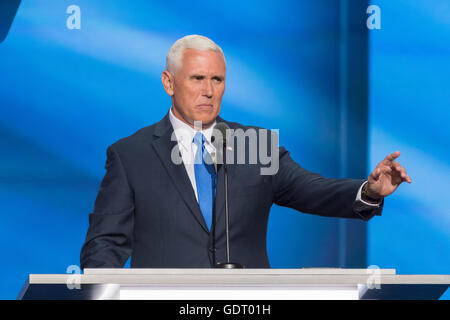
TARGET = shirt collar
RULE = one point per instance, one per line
(185, 133)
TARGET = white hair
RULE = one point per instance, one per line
(193, 41)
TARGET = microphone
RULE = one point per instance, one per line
(220, 143)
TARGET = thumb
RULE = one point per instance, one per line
(375, 175)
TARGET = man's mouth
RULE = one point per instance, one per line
(205, 106)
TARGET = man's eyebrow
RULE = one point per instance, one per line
(201, 76)
(195, 75)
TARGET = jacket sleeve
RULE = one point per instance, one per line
(108, 241)
(308, 192)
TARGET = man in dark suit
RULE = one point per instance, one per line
(169, 213)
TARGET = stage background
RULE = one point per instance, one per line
(343, 97)
(409, 101)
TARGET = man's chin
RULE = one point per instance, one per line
(206, 122)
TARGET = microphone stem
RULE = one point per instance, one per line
(226, 212)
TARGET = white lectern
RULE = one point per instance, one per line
(238, 284)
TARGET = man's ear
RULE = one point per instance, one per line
(167, 81)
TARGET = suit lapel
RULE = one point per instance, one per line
(164, 146)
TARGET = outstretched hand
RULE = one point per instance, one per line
(386, 177)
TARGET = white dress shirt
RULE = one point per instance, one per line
(185, 135)
(360, 204)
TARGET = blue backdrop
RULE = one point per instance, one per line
(65, 95)
(409, 111)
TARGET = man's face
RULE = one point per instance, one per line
(198, 87)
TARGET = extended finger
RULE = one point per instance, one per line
(395, 165)
(399, 168)
(402, 171)
(392, 156)
(408, 179)
(405, 176)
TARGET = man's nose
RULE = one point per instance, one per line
(208, 89)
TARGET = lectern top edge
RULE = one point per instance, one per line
(302, 271)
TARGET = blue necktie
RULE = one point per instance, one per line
(205, 178)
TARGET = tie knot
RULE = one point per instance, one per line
(199, 139)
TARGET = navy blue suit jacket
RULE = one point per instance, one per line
(146, 207)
